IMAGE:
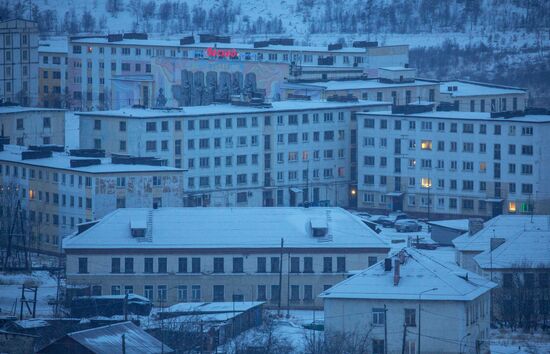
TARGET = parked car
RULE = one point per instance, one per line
(398, 215)
(407, 225)
(385, 221)
(389, 221)
(362, 214)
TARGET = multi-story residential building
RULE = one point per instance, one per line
(401, 89)
(52, 74)
(174, 255)
(19, 62)
(100, 67)
(285, 154)
(513, 251)
(454, 163)
(469, 96)
(33, 126)
(58, 191)
(411, 303)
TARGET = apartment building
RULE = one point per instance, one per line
(99, 67)
(174, 255)
(470, 96)
(454, 163)
(411, 303)
(52, 74)
(19, 64)
(58, 191)
(33, 126)
(285, 153)
(396, 85)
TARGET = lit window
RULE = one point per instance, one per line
(512, 207)
(426, 182)
(426, 144)
(482, 167)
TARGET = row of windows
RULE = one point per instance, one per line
(40, 217)
(46, 123)
(467, 128)
(56, 60)
(193, 265)
(63, 178)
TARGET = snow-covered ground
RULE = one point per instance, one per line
(10, 292)
(507, 342)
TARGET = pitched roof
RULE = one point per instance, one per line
(418, 273)
(108, 339)
(245, 227)
(502, 226)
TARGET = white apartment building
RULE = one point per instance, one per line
(174, 255)
(453, 163)
(19, 62)
(33, 126)
(417, 303)
(97, 64)
(58, 191)
(470, 96)
(52, 74)
(284, 154)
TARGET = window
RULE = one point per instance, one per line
(410, 317)
(372, 260)
(182, 293)
(378, 344)
(238, 265)
(262, 293)
(218, 293)
(82, 265)
(378, 316)
(182, 265)
(128, 265)
(162, 265)
(151, 127)
(195, 265)
(327, 264)
(115, 265)
(148, 265)
(261, 265)
(275, 295)
(46, 122)
(161, 293)
(340, 264)
(218, 265)
(426, 145)
(308, 264)
(275, 265)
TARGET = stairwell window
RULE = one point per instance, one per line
(410, 317)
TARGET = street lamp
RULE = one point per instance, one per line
(467, 335)
(420, 312)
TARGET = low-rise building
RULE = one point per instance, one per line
(285, 154)
(33, 126)
(52, 74)
(444, 231)
(285, 256)
(411, 303)
(469, 96)
(57, 190)
(451, 164)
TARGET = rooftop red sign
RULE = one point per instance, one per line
(224, 53)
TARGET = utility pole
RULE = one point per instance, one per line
(125, 307)
(124, 344)
(420, 312)
(385, 330)
(280, 277)
(288, 288)
(404, 338)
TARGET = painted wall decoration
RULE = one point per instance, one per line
(193, 82)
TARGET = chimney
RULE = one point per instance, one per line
(396, 275)
(474, 225)
(496, 241)
(387, 265)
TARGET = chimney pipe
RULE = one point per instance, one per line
(474, 225)
(387, 264)
(396, 274)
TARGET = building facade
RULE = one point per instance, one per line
(174, 255)
(52, 74)
(56, 194)
(19, 62)
(33, 126)
(285, 154)
(453, 163)
(468, 96)
(388, 309)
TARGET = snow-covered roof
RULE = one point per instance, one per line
(62, 160)
(227, 109)
(525, 249)
(237, 46)
(458, 115)
(53, 46)
(502, 226)
(396, 68)
(106, 338)
(459, 224)
(419, 273)
(211, 228)
(21, 109)
(338, 85)
(470, 88)
(213, 307)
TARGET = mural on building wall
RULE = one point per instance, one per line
(193, 82)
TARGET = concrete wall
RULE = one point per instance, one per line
(33, 131)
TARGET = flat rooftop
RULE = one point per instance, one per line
(456, 115)
(471, 88)
(53, 46)
(20, 109)
(62, 161)
(337, 85)
(222, 109)
(230, 228)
